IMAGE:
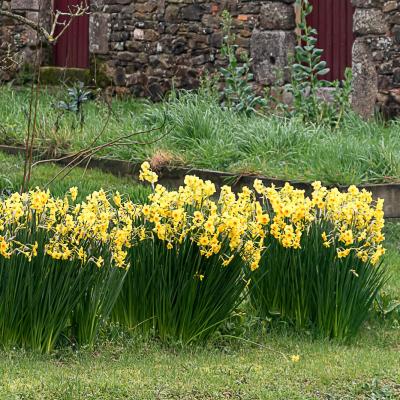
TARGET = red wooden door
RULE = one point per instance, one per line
(72, 48)
(334, 21)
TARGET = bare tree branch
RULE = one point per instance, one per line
(88, 154)
(51, 36)
(10, 60)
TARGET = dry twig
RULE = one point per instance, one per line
(60, 21)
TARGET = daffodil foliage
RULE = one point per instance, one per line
(182, 262)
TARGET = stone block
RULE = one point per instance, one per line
(171, 13)
(216, 39)
(138, 34)
(97, 5)
(179, 46)
(277, 16)
(249, 7)
(25, 5)
(270, 51)
(151, 35)
(365, 79)
(368, 3)
(369, 22)
(390, 6)
(126, 56)
(120, 77)
(396, 34)
(193, 12)
(211, 21)
(98, 33)
(147, 7)
(396, 76)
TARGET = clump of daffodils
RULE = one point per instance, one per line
(65, 230)
(354, 220)
(223, 225)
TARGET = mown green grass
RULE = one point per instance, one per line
(87, 181)
(146, 370)
(196, 131)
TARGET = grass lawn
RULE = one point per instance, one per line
(87, 181)
(198, 132)
(145, 370)
(255, 364)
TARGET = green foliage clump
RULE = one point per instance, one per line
(177, 293)
(238, 93)
(77, 96)
(43, 300)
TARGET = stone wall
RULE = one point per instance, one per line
(146, 46)
(149, 45)
(376, 57)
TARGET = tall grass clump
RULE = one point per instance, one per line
(200, 131)
(320, 269)
(358, 152)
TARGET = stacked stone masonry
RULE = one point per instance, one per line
(151, 45)
(147, 46)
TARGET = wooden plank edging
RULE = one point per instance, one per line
(174, 176)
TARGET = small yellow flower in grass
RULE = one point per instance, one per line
(295, 358)
(74, 193)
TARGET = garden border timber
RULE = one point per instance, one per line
(172, 176)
